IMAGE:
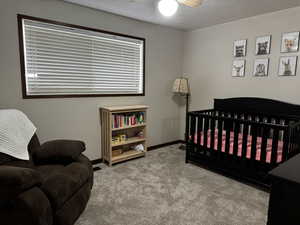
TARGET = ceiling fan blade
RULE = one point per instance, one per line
(191, 3)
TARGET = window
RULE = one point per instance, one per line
(63, 60)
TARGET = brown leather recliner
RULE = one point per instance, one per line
(52, 188)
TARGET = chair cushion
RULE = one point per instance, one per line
(62, 182)
(15, 180)
(48, 170)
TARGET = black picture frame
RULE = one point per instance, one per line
(237, 55)
(266, 67)
(295, 69)
(244, 68)
(282, 39)
(257, 52)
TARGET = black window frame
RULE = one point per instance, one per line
(21, 17)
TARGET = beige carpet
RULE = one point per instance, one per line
(161, 189)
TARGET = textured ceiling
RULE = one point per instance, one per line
(212, 12)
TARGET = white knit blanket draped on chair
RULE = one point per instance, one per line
(16, 131)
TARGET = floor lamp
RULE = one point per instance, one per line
(181, 87)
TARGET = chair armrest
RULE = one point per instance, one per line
(58, 151)
(15, 180)
(86, 161)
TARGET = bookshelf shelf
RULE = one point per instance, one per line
(128, 155)
(123, 128)
(129, 127)
(129, 141)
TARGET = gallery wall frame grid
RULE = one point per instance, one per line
(289, 48)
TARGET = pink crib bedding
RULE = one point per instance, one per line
(240, 142)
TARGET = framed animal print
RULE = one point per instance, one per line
(238, 68)
(261, 67)
(240, 48)
(263, 45)
(290, 42)
(288, 66)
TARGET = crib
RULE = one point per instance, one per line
(243, 137)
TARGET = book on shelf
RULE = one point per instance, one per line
(127, 119)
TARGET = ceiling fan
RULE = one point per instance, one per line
(169, 7)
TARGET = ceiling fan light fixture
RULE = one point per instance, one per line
(167, 7)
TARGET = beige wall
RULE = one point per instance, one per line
(79, 118)
(208, 57)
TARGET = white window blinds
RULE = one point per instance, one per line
(62, 60)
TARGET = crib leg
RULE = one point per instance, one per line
(186, 160)
(186, 154)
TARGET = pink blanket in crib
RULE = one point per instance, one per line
(240, 143)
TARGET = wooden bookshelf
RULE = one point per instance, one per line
(123, 121)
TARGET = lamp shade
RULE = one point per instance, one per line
(181, 86)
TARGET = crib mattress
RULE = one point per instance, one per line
(240, 142)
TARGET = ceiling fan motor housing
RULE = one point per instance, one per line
(191, 3)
